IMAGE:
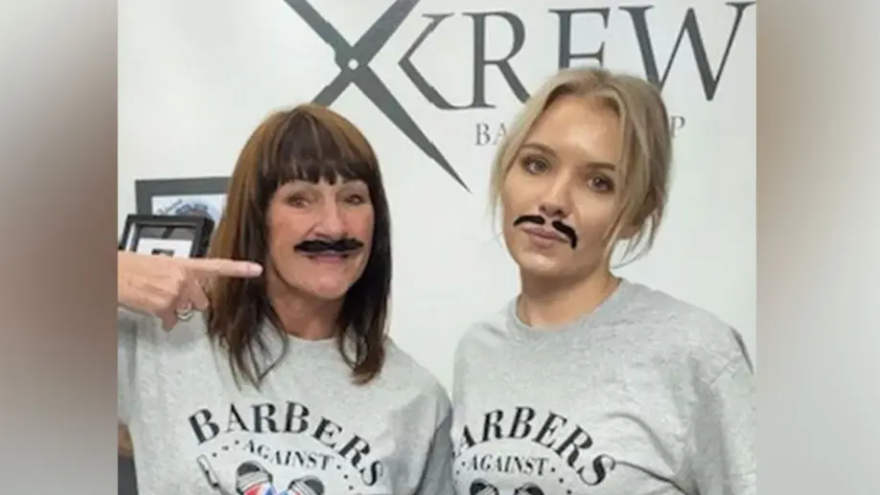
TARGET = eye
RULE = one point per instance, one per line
(297, 201)
(535, 165)
(356, 199)
(601, 184)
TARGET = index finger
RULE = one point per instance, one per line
(220, 267)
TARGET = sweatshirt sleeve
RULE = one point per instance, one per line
(127, 323)
(722, 432)
(437, 477)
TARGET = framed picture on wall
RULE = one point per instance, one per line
(203, 196)
(167, 235)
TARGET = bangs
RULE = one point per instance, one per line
(317, 145)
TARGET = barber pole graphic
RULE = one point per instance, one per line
(264, 489)
(482, 487)
(306, 486)
(253, 479)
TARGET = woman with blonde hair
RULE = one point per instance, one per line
(587, 382)
(275, 374)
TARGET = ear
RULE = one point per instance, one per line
(481, 487)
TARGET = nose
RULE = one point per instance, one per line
(330, 224)
(554, 203)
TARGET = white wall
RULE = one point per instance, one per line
(196, 76)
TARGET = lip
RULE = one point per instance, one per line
(544, 233)
(329, 258)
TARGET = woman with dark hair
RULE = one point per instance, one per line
(277, 375)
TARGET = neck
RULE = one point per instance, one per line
(304, 317)
(545, 302)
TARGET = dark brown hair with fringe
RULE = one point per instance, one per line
(309, 143)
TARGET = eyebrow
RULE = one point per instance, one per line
(339, 181)
(543, 148)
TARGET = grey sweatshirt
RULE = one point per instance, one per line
(645, 395)
(310, 431)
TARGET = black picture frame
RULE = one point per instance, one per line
(168, 229)
(186, 192)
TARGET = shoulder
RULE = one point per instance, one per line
(489, 330)
(698, 337)
(403, 372)
(145, 333)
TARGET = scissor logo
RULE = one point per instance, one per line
(353, 62)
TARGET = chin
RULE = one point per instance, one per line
(329, 291)
(537, 265)
(326, 283)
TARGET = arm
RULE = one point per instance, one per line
(146, 285)
(127, 323)
(722, 432)
(437, 476)
(157, 286)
